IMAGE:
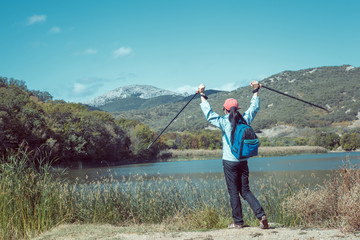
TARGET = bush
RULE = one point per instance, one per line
(350, 141)
(327, 140)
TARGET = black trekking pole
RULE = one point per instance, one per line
(294, 98)
(172, 121)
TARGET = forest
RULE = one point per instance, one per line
(67, 134)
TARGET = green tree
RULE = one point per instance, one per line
(140, 136)
(42, 96)
(328, 140)
(82, 135)
(350, 141)
(21, 119)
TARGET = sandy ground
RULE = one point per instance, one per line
(109, 232)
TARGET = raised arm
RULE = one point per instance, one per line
(250, 114)
(211, 116)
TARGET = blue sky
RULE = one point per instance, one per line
(80, 49)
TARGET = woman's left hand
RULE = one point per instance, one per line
(255, 84)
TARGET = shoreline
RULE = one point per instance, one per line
(206, 154)
(202, 154)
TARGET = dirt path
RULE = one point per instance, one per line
(109, 232)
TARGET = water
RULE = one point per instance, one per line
(282, 167)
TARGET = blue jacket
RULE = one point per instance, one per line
(224, 124)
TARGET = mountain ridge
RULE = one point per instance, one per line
(141, 91)
(132, 97)
(336, 88)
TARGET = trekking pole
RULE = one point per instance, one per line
(172, 120)
(294, 98)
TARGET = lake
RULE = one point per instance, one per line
(298, 166)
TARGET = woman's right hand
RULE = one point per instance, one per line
(201, 89)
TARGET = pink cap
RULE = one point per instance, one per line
(231, 102)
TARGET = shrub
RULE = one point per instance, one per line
(328, 140)
(350, 141)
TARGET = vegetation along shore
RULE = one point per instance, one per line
(197, 154)
(34, 201)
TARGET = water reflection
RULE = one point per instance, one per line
(305, 167)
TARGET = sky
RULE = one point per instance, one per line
(80, 49)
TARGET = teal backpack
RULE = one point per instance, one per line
(246, 143)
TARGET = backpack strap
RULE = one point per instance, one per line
(241, 121)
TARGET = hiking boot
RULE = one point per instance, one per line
(236, 226)
(264, 222)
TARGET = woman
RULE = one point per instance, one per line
(236, 171)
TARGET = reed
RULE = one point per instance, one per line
(30, 197)
(199, 154)
(33, 199)
(289, 150)
(334, 204)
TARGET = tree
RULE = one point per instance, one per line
(350, 141)
(22, 120)
(328, 140)
(42, 96)
(91, 137)
(141, 136)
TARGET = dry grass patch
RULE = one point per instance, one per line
(198, 154)
(290, 150)
(334, 204)
(195, 153)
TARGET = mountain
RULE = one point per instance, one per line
(140, 91)
(139, 97)
(337, 88)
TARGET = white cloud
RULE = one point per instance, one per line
(86, 87)
(228, 87)
(55, 30)
(123, 51)
(186, 89)
(90, 51)
(36, 19)
(79, 89)
(192, 89)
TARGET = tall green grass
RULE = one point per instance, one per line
(29, 197)
(34, 198)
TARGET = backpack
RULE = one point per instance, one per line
(246, 143)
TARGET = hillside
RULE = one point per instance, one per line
(336, 88)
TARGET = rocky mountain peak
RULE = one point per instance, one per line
(141, 91)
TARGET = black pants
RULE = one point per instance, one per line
(237, 181)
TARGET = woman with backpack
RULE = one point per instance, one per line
(236, 171)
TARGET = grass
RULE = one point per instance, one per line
(333, 204)
(289, 150)
(29, 197)
(199, 154)
(33, 199)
